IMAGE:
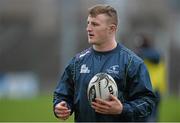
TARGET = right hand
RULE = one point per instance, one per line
(62, 110)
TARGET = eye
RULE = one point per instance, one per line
(95, 24)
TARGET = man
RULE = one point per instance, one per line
(135, 97)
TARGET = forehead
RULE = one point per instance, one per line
(98, 18)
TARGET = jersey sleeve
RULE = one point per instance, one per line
(65, 88)
(139, 98)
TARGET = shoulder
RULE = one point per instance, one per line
(133, 62)
(83, 54)
(76, 59)
(129, 54)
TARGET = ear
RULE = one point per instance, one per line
(112, 28)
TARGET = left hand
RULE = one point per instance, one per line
(112, 106)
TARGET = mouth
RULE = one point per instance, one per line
(91, 35)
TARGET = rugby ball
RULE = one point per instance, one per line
(101, 86)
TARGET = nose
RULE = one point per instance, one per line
(88, 28)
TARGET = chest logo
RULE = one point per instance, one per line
(84, 69)
(113, 69)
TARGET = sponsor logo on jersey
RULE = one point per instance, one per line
(84, 69)
(113, 69)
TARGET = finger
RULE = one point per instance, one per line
(112, 97)
(63, 103)
(62, 111)
(103, 102)
(61, 106)
(101, 112)
(64, 116)
(100, 109)
(99, 105)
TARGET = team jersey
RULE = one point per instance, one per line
(128, 71)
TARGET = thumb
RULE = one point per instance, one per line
(63, 103)
(112, 97)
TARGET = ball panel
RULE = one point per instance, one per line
(101, 86)
(92, 93)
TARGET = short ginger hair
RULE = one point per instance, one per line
(104, 9)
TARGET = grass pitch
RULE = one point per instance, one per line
(40, 110)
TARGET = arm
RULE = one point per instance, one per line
(64, 92)
(139, 96)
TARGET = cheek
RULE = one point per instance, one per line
(101, 32)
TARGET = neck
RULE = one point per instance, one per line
(107, 46)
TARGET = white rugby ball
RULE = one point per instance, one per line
(101, 86)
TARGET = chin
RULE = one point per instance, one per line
(92, 42)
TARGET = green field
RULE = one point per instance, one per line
(169, 110)
(40, 110)
(36, 109)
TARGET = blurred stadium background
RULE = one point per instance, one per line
(38, 38)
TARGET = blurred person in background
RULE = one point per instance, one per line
(156, 67)
(135, 99)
